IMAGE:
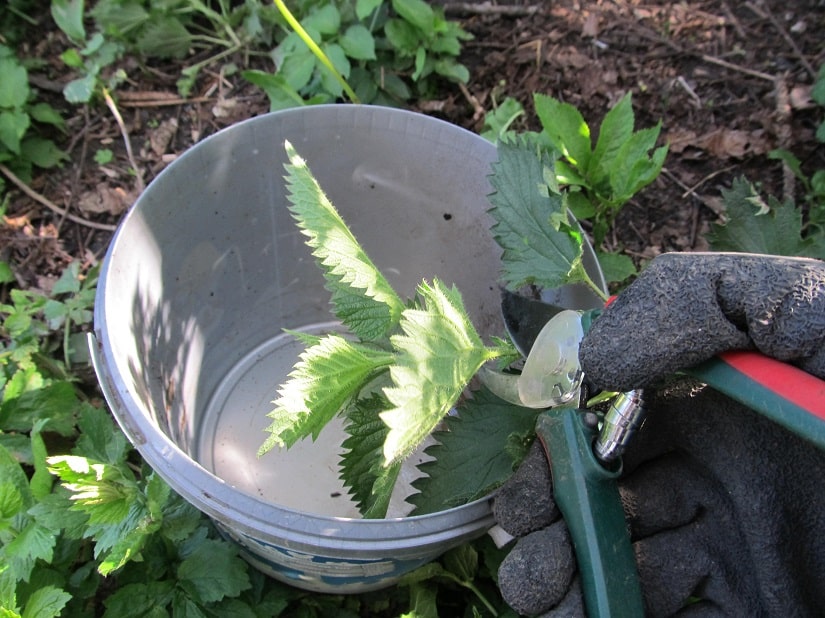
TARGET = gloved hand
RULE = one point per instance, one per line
(726, 509)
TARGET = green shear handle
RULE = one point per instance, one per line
(587, 495)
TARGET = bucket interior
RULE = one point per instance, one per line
(208, 269)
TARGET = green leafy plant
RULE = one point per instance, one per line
(391, 380)
(23, 120)
(408, 362)
(87, 529)
(375, 51)
(601, 178)
(753, 224)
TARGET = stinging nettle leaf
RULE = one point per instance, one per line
(349, 272)
(540, 244)
(361, 464)
(327, 376)
(439, 351)
(474, 453)
(755, 227)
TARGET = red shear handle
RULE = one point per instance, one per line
(784, 393)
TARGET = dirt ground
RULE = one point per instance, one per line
(729, 80)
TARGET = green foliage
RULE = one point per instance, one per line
(603, 178)
(407, 369)
(755, 226)
(498, 121)
(24, 121)
(86, 529)
(814, 185)
(481, 445)
(541, 244)
(387, 52)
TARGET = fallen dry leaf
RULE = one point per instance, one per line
(161, 137)
(105, 199)
(720, 143)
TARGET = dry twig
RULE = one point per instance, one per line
(488, 8)
(51, 205)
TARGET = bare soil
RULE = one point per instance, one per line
(728, 80)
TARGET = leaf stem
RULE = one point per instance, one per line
(585, 277)
(319, 53)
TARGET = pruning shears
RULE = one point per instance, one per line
(585, 462)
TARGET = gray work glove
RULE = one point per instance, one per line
(726, 509)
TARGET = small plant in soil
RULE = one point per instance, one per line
(407, 362)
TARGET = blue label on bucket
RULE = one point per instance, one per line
(319, 573)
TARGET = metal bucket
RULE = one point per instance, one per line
(206, 271)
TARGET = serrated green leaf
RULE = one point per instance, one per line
(540, 245)
(348, 270)
(633, 169)
(753, 226)
(339, 60)
(137, 600)
(462, 562)
(438, 353)
(475, 452)
(42, 152)
(423, 601)
(99, 438)
(326, 377)
(11, 501)
(361, 464)
(13, 125)
(213, 571)
(566, 128)
(46, 602)
(326, 19)
(34, 542)
(614, 132)
(104, 492)
(615, 266)
(11, 473)
(402, 36)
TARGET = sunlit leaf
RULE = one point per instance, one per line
(348, 270)
(329, 374)
(439, 352)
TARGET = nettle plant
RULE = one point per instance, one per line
(408, 362)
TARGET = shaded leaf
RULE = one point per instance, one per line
(214, 571)
(476, 452)
(361, 464)
(753, 226)
(531, 224)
